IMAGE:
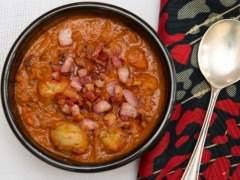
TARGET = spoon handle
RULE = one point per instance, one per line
(192, 170)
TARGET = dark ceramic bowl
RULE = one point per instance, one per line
(34, 30)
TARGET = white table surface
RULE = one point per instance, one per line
(16, 163)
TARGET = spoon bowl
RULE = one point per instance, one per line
(219, 53)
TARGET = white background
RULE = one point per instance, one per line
(16, 163)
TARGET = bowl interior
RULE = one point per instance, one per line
(32, 32)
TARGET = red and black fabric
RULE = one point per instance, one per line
(182, 24)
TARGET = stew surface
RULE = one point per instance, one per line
(90, 89)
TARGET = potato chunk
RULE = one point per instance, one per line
(147, 83)
(136, 58)
(69, 137)
(110, 119)
(50, 88)
(112, 139)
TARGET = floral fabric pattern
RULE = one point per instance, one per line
(182, 24)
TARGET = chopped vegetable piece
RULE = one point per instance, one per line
(102, 106)
(65, 37)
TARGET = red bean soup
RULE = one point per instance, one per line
(90, 89)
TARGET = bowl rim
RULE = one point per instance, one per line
(104, 166)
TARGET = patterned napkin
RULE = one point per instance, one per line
(182, 24)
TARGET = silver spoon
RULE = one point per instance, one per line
(219, 62)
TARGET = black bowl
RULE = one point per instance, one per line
(31, 32)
